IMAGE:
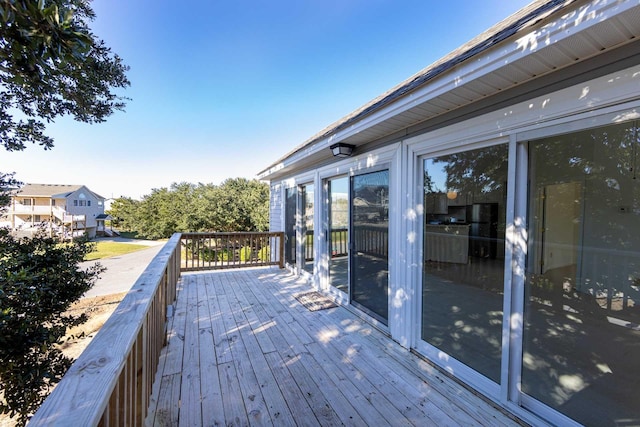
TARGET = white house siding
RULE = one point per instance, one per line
(90, 212)
(275, 207)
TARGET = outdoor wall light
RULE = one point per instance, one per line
(342, 150)
(452, 195)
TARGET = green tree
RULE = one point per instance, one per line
(241, 205)
(237, 204)
(52, 65)
(161, 213)
(123, 210)
(7, 183)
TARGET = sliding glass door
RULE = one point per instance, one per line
(581, 350)
(290, 225)
(464, 258)
(370, 243)
(338, 225)
(306, 234)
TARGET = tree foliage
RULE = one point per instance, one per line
(39, 280)
(51, 65)
(123, 211)
(238, 204)
(7, 183)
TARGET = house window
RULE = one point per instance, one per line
(88, 202)
(75, 203)
(53, 202)
(26, 202)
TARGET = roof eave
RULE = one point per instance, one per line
(511, 57)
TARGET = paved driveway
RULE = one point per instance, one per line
(122, 270)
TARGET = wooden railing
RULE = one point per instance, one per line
(339, 245)
(339, 242)
(212, 251)
(110, 383)
(372, 240)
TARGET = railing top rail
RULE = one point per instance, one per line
(83, 394)
(231, 233)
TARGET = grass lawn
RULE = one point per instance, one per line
(108, 249)
(129, 234)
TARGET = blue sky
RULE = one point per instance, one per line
(222, 89)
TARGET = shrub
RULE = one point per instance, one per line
(245, 253)
(208, 254)
(224, 254)
(39, 280)
(264, 254)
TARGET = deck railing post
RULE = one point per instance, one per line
(281, 248)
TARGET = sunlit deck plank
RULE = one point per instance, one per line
(413, 406)
(300, 391)
(251, 396)
(272, 395)
(285, 365)
(211, 392)
(190, 396)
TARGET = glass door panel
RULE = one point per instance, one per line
(370, 240)
(307, 227)
(581, 350)
(338, 212)
(464, 247)
(290, 207)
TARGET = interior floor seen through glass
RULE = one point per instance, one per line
(464, 247)
(581, 351)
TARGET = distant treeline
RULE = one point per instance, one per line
(238, 204)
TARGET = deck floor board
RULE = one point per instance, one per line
(243, 351)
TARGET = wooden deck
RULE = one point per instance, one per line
(243, 351)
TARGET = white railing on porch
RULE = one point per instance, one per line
(65, 217)
(56, 211)
(18, 208)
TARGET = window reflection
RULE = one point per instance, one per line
(307, 227)
(581, 345)
(290, 225)
(338, 237)
(370, 237)
(465, 196)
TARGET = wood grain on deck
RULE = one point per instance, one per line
(243, 351)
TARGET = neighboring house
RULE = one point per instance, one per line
(485, 213)
(69, 210)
